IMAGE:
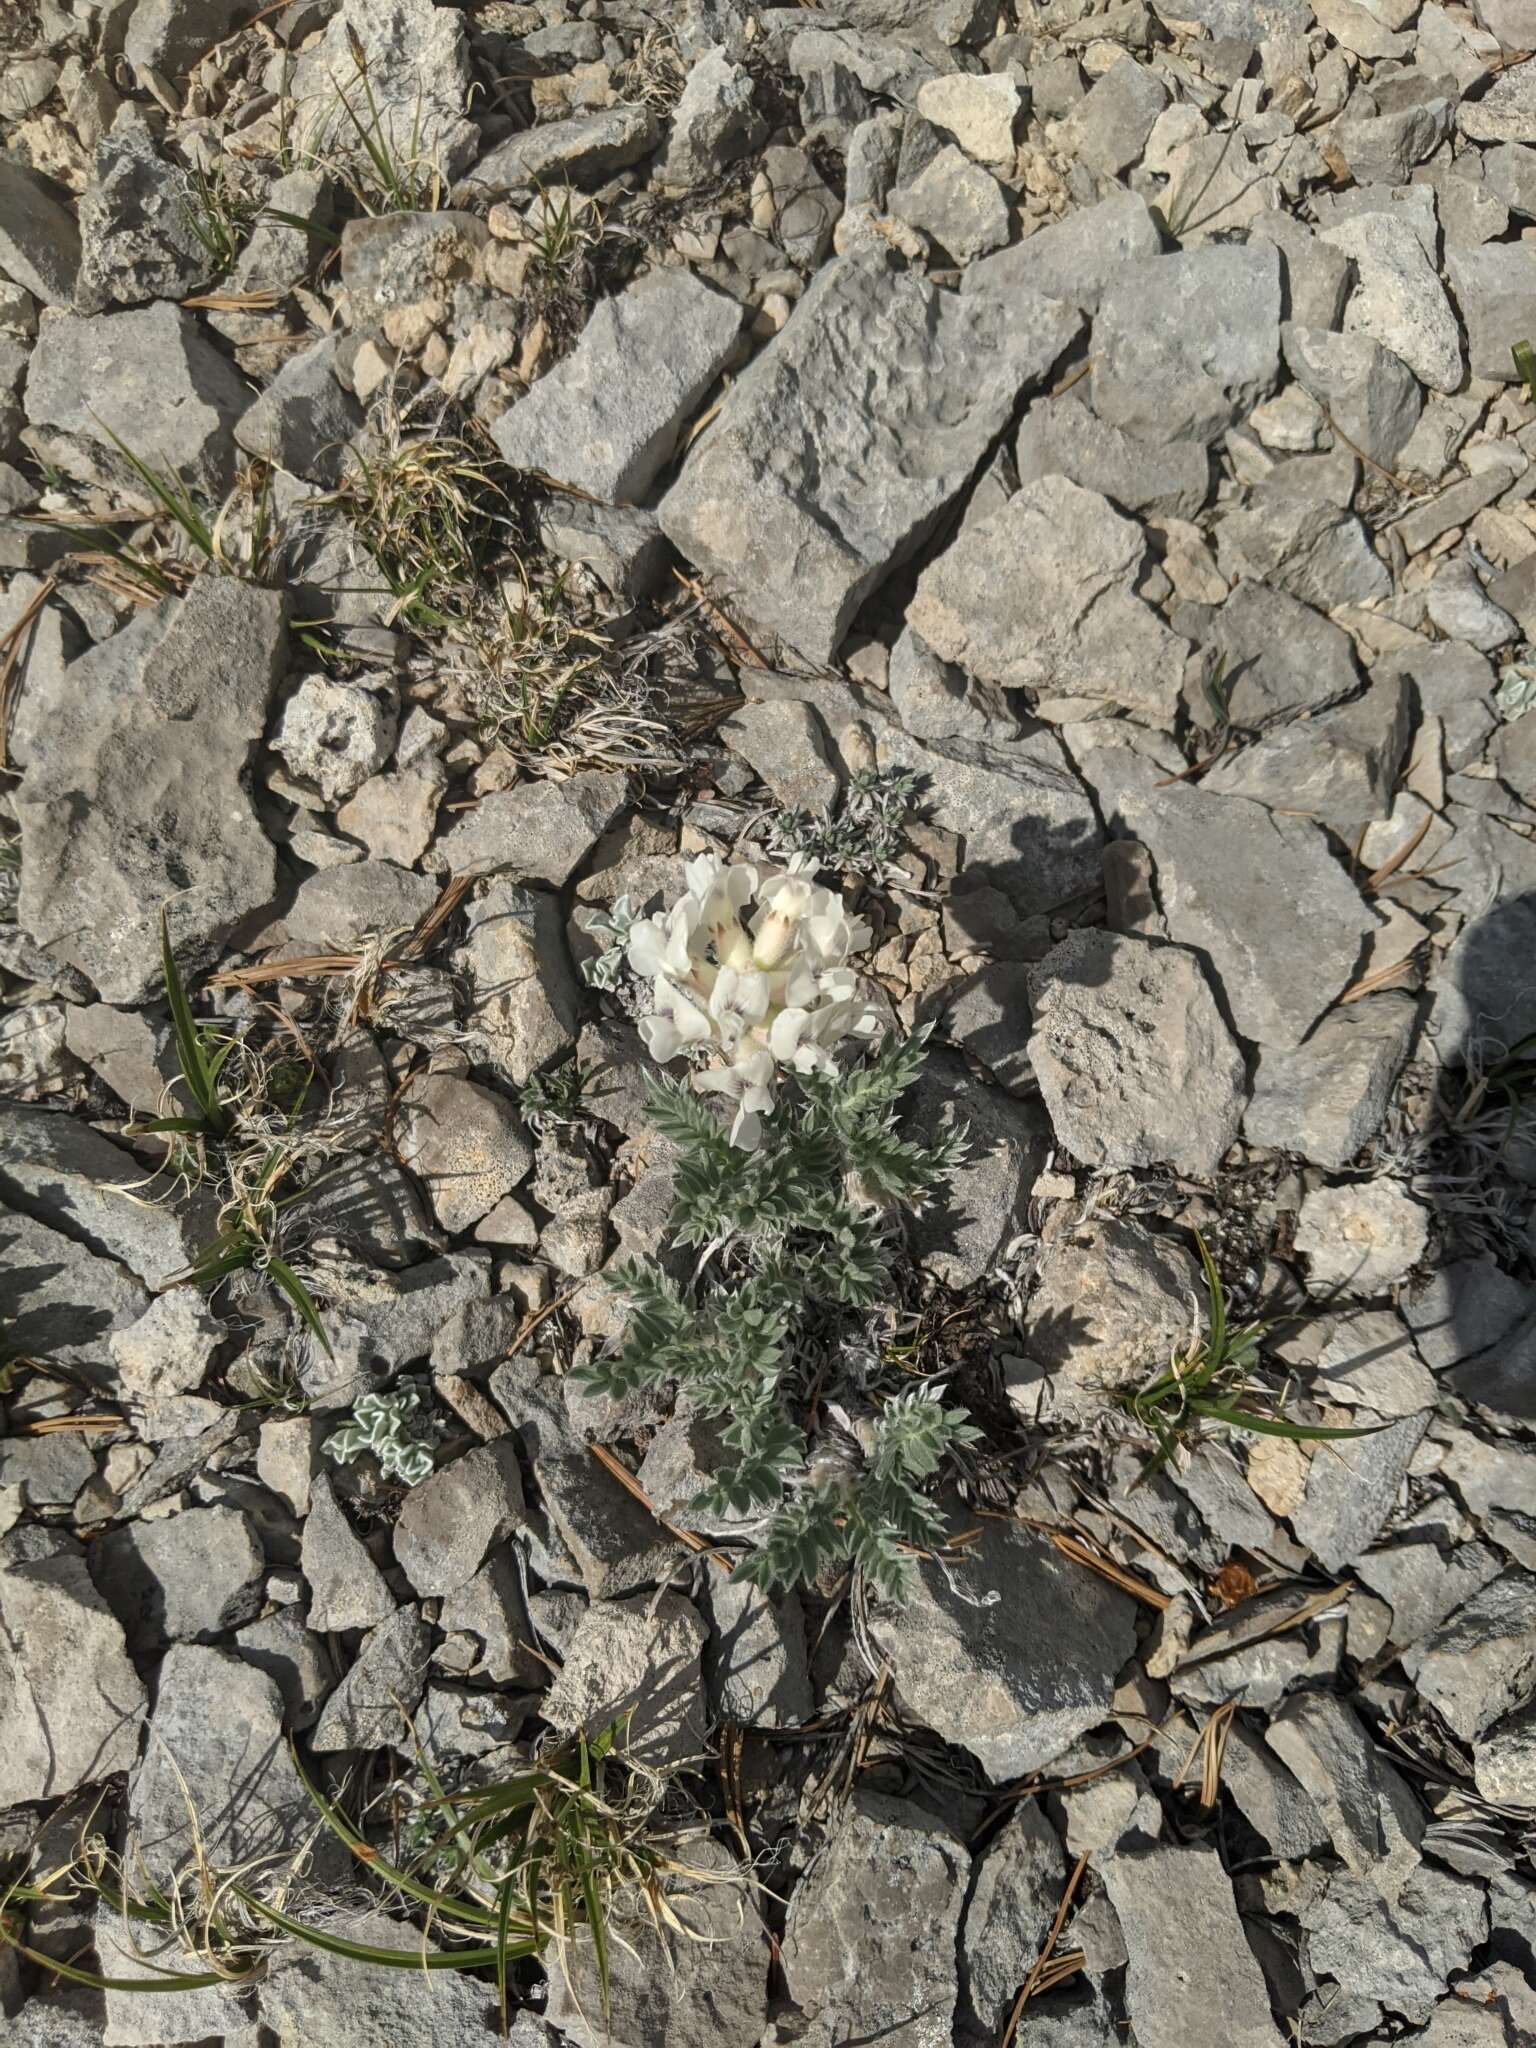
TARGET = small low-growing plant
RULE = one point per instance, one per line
(219, 217)
(230, 1121)
(499, 1873)
(561, 1098)
(791, 1204)
(379, 1423)
(1214, 1381)
(427, 506)
(861, 837)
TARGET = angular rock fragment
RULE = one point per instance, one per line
(466, 1144)
(1072, 259)
(150, 377)
(583, 150)
(1373, 1814)
(1280, 657)
(303, 419)
(63, 1303)
(1360, 1238)
(755, 1664)
(1353, 1486)
(972, 1221)
(1063, 437)
(346, 1587)
(452, 1519)
(1113, 1304)
(216, 1741)
(958, 204)
(539, 831)
(850, 1959)
(403, 66)
(1400, 1949)
(1481, 1662)
(1013, 1901)
(370, 1709)
(39, 241)
(1014, 1681)
(524, 997)
(1368, 391)
(310, 1995)
(709, 1990)
(1184, 345)
(1398, 299)
(1262, 897)
(1134, 1061)
(808, 486)
(1039, 596)
(138, 241)
(1326, 1097)
(713, 123)
(641, 1657)
(184, 1578)
(1192, 1975)
(606, 418)
(137, 797)
(1340, 767)
(70, 1701)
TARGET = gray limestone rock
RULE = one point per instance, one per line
(705, 1989)
(1399, 1949)
(416, 60)
(298, 1662)
(303, 419)
(1014, 1681)
(607, 417)
(1261, 897)
(713, 123)
(1360, 1238)
(1373, 1814)
(346, 1587)
(524, 997)
(150, 376)
(370, 1709)
(216, 1741)
(1506, 112)
(638, 1656)
(137, 237)
(69, 1177)
(538, 831)
(1112, 1305)
(171, 35)
(1039, 596)
(1368, 391)
(808, 487)
(756, 1670)
(580, 151)
(1027, 826)
(851, 1961)
(39, 241)
(1326, 1097)
(337, 733)
(70, 1701)
(310, 1995)
(1504, 1759)
(957, 203)
(980, 1211)
(185, 1578)
(1481, 1662)
(1340, 767)
(451, 1520)
(136, 795)
(1280, 658)
(1074, 259)
(1192, 1975)
(1353, 1485)
(1133, 1058)
(465, 1143)
(1013, 1900)
(1064, 437)
(1398, 299)
(1184, 345)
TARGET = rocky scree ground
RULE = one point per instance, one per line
(454, 464)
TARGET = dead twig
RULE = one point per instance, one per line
(1034, 1981)
(687, 1537)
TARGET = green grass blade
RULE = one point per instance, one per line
(191, 1055)
(1276, 1425)
(599, 1933)
(369, 1952)
(160, 1981)
(503, 1915)
(299, 1295)
(1216, 1343)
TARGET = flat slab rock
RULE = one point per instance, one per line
(1192, 1976)
(1134, 1060)
(1262, 897)
(870, 1941)
(135, 795)
(1039, 596)
(607, 416)
(840, 445)
(1014, 1682)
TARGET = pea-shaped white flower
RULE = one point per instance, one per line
(752, 961)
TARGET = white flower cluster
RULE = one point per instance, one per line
(752, 961)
